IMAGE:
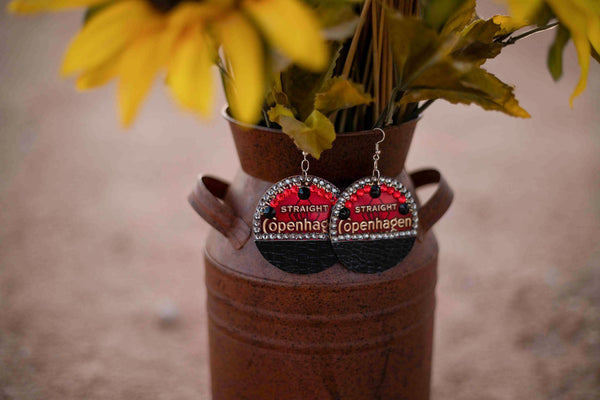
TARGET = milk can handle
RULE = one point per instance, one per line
(438, 203)
(207, 200)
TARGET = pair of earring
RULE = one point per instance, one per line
(303, 224)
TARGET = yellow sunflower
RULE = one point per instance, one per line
(581, 18)
(134, 40)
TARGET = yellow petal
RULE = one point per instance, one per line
(594, 32)
(293, 29)
(591, 8)
(523, 10)
(244, 53)
(576, 15)
(507, 24)
(33, 6)
(98, 76)
(582, 16)
(108, 33)
(189, 12)
(137, 69)
(582, 45)
(190, 74)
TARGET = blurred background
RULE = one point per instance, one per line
(101, 275)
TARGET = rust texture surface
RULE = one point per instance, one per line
(335, 334)
(97, 238)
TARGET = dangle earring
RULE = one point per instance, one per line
(291, 223)
(374, 222)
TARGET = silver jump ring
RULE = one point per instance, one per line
(305, 164)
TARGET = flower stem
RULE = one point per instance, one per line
(513, 39)
(424, 106)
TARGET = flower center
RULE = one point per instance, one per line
(167, 5)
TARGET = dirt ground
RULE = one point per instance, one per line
(98, 246)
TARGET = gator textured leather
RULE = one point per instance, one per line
(298, 257)
(373, 256)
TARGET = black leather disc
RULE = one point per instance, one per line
(373, 225)
(291, 224)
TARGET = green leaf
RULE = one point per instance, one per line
(459, 82)
(279, 111)
(276, 95)
(447, 65)
(331, 15)
(476, 43)
(338, 18)
(461, 18)
(339, 93)
(437, 12)
(414, 45)
(555, 55)
(313, 136)
(300, 86)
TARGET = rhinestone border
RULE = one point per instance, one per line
(279, 187)
(352, 189)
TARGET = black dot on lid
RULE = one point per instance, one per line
(403, 208)
(304, 193)
(269, 212)
(375, 191)
(344, 213)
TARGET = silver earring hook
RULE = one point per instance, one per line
(382, 137)
(376, 173)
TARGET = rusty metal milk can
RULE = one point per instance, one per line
(335, 334)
